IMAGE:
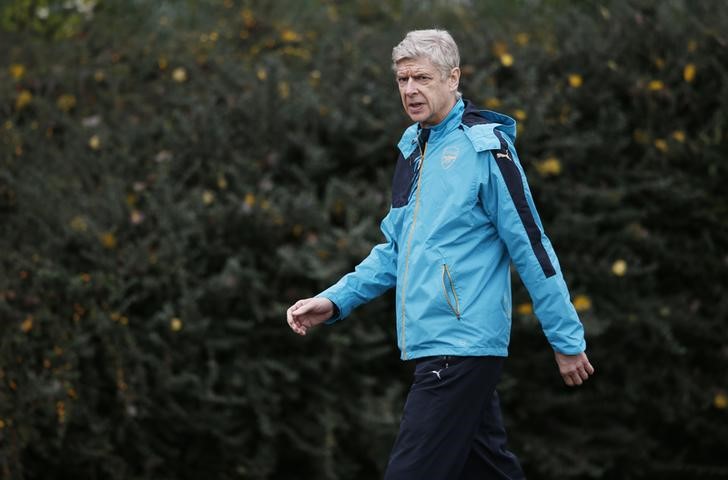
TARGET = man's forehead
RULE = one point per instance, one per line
(408, 65)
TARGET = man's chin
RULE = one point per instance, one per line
(418, 117)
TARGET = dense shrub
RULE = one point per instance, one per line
(174, 174)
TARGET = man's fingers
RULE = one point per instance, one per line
(294, 322)
(589, 368)
(301, 310)
(302, 307)
(577, 376)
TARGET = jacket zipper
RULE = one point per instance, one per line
(446, 274)
(409, 245)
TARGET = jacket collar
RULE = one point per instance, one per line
(447, 125)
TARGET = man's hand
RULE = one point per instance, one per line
(574, 369)
(308, 313)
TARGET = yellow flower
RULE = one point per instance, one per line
(655, 85)
(721, 400)
(108, 240)
(689, 72)
(500, 48)
(208, 197)
(289, 36)
(284, 90)
(61, 411)
(248, 18)
(66, 102)
(17, 71)
(492, 102)
(136, 217)
(314, 78)
(78, 224)
(619, 268)
(99, 76)
(179, 75)
(575, 80)
(27, 324)
(175, 324)
(2, 424)
(524, 309)
(679, 136)
(24, 98)
(522, 38)
(94, 142)
(520, 115)
(163, 63)
(222, 183)
(249, 200)
(661, 145)
(550, 166)
(640, 136)
(660, 63)
(582, 303)
(261, 74)
(506, 59)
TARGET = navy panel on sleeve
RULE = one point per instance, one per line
(514, 183)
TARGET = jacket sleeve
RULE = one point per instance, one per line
(376, 274)
(507, 200)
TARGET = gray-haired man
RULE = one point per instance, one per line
(461, 213)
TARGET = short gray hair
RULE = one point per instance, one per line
(436, 45)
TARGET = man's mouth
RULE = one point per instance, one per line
(416, 105)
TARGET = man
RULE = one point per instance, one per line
(461, 213)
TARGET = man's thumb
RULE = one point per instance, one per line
(303, 309)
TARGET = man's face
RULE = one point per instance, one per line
(426, 97)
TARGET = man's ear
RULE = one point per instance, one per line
(454, 79)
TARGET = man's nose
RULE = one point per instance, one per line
(411, 87)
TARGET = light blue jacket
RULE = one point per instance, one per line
(461, 212)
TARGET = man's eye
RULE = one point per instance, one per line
(402, 79)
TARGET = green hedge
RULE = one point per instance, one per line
(175, 174)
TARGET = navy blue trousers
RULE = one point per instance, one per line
(452, 428)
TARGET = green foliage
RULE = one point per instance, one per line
(53, 19)
(175, 174)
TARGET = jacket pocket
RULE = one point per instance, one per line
(448, 289)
